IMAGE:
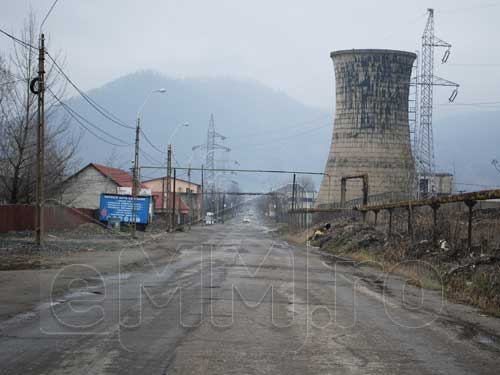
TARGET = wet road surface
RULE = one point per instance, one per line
(235, 299)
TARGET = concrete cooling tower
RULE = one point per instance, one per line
(371, 134)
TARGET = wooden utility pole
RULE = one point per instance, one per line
(168, 215)
(202, 195)
(190, 218)
(40, 143)
(174, 216)
(135, 178)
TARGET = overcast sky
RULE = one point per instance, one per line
(284, 44)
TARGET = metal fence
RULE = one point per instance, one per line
(17, 217)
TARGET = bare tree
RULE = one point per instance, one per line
(307, 183)
(19, 123)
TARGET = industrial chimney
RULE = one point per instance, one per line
(371, 135)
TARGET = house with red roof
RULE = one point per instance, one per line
(84, 188)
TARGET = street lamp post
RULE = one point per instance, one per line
(135, 174)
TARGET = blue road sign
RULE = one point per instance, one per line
(122, 207)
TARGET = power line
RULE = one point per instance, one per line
(473, 104)
(151, 143)
(458, 10)
(281, 139)
(22, 42)
(75, 115)
(292, 126)
(103, 111)
(148, 156)
(474, 64)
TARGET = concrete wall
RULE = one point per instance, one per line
(371, 133)
(84, 190)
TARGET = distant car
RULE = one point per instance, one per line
(209, 218)
(246, 220)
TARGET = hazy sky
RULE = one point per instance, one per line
(284, 44)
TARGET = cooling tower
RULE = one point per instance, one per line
(371, 134)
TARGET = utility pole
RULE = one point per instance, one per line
(174, 216)
(135, 177)
(223, 206)
(168, 215)
(189, 197)
(202, 194)
(292, 219)
(40, 142)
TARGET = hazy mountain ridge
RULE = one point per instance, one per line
(265, 128)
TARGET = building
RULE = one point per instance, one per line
(435, 184)
(281, 201)
(371, 134)
(84, 188)
(188, 195)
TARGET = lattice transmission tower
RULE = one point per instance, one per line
(426, 80)
(211, 147)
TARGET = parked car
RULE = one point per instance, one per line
(246, 220)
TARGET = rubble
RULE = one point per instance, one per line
(469, 275)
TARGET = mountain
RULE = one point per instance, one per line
(466, 142)
(265, 129)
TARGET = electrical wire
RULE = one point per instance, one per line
(149, 157)
(472, 104)
(151, 143)
(22, 42)
(281, 139)
(76, 116)
(103, 111)
(467, 9)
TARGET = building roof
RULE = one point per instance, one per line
(118, 176)
(177, 179)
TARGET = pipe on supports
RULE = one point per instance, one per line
(435, 207)
(470, 204)
(376, 216)
(389, 232)
(410, 222)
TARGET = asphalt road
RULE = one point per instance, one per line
(235, 299)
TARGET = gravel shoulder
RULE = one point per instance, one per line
(29, 274)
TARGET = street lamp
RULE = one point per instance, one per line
(135, 177)
(176, 130)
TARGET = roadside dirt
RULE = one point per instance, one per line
(471, 276)
(27, 272)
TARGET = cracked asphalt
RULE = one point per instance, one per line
(236, 299)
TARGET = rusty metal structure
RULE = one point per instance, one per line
(469, 199)
(371, 134)
(343, 187)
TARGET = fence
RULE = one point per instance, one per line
(18, 217)
(411, 207)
